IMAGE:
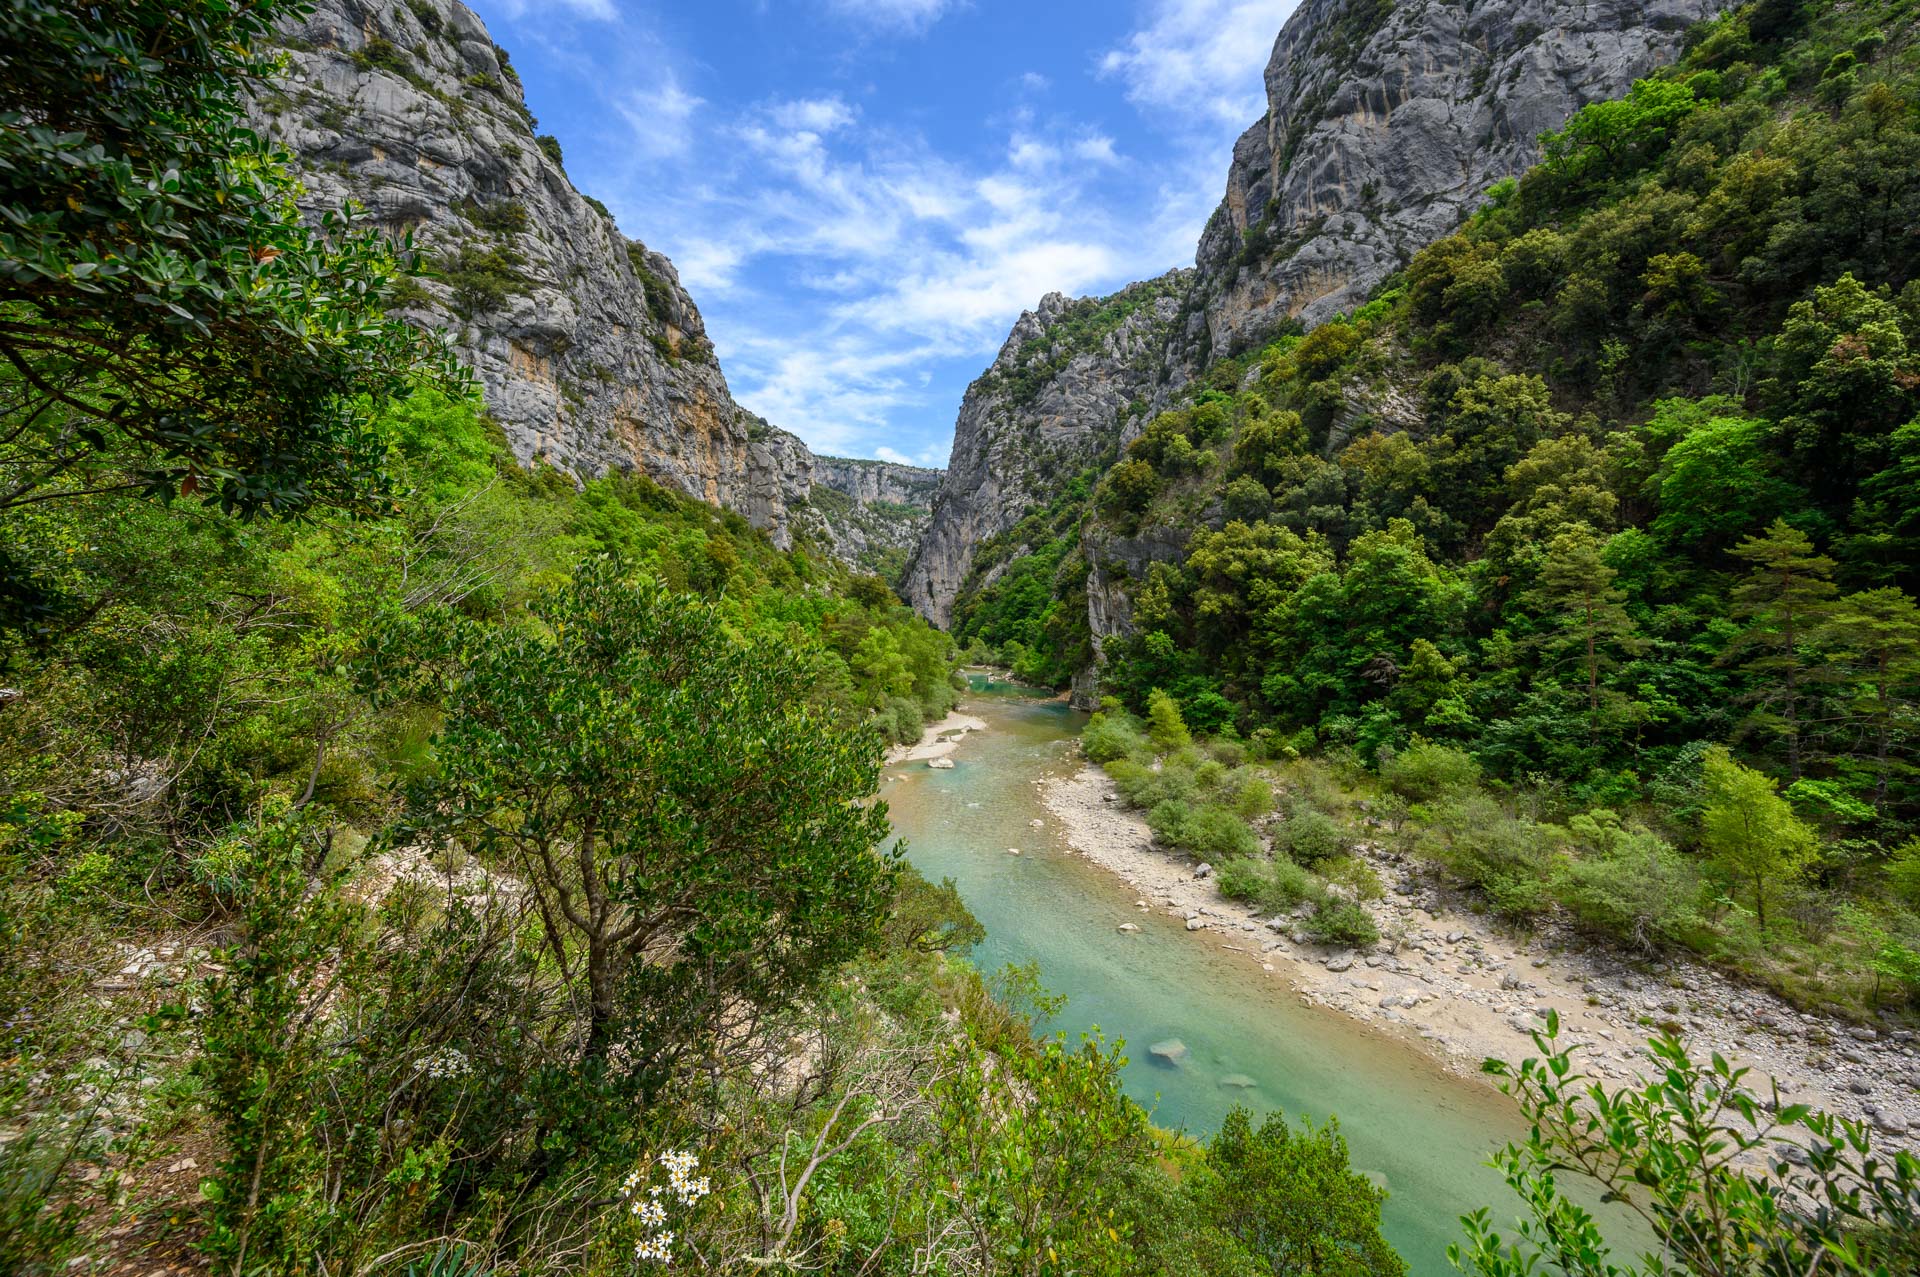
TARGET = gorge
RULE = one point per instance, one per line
(1391, 747)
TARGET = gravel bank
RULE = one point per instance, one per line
(1447, 978)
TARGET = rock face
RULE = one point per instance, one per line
(590, 354)
(1386, 124)
(1054, 403)
(1388, 120)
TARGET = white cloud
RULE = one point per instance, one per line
(1201, 58)
(601, 10)
(1097, 148)
(661, 118)
(909, 16)
(814, 115)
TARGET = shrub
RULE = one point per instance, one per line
(550, 147)
(1640, 891)
(1310, 836)
(1245, 879)
(1356, 875)
(1426, 772)
(1169, 819)
(1341, 922)
(1217, 833)
(1249, 794)
(1289, 885)
(382, 53)
(1480, 843)
(1113, 736)
(501, 217)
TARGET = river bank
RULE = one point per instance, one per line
(938, 741)
(1464, 991)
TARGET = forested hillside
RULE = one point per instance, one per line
(1621, 474)
(413, 861)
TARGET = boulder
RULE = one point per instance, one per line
(1168, 1051)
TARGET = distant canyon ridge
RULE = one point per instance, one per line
(1386, 125)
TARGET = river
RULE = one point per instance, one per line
(1422, 1131)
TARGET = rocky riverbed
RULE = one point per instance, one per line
(1447, 978)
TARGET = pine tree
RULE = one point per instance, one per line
(1878, 633)
(1586, 612)
(1784, 600)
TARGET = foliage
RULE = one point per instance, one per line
(1619, 472)
(1751, 833)
(1291, 1199)
(1681, 1153)
(169, 325)
(660, 790)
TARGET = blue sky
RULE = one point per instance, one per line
(863, 195)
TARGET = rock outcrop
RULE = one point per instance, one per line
(1054, 404)
(1386, 124)
(1388, 121)
(590, 354)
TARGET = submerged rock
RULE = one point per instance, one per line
(1238, 1082)
(1169, 1051)
(940, 764)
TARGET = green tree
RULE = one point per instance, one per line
(1610, 139)
(168, 322)
(695, 837)
(1165, 723)
(1784, 600)
(1878, 632)
(1586, 614)
(1291, 1199)
(1718, 480)
(1749, 831)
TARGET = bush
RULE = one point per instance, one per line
(1356, 875)
(1249, 794)
(1113, 736)
(1217, 834)
(1426, 772)
(1341, 922)
(1640, 891)
(1289, 885)
(1480, 843)
(1245, 879)
(1310, 836)
(1208, 831)
(902, 720)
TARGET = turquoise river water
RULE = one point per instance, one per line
(1426, 1132)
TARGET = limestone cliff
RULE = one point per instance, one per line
(1387, 122)
(589, 352)
(1054, 404)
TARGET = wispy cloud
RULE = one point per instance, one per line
(600, 10)
(661, 118)
(907, 16)
(1201, 57)
(858, 263)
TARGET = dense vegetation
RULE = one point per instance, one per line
(414, 863)
(411, 862)
(1611, 497)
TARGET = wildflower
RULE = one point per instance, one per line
(445, 1065)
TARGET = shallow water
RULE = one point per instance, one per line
(1424, 1131)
